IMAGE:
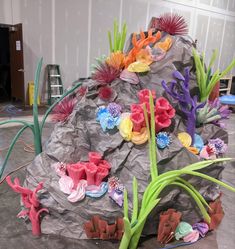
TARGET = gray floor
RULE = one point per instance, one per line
(13, 233)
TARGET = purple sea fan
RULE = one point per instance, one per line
(104, 73)
(173, 24)
(63, 109)
(179, 90)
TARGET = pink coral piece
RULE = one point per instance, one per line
(163, 106)
(79, 193)
(192, 237)
(144, 95)
(136, 108)
(137, 120)
(94, 157)
(66, 184)
(76, 172)
(100, 175)
(91, 170)
(104, 164)
(31, 203)
(60, 168)
(162, 121)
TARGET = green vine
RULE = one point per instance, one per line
(35, 127)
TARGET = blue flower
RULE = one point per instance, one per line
(163, 140)
(101, 113)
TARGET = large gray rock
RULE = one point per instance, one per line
(71, 141)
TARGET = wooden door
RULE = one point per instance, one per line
(17, 63)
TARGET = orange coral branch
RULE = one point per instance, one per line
(139, 44)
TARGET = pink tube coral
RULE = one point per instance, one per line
(144, 95)
(94, 157)
(137, 120)
(76, 172)
(104, 164)
(136, 108)
(162, 121)
(91, 170)
(163, 106)
(100, 175)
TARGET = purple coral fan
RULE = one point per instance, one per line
(180, 91)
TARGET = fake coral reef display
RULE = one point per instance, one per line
(131, 143)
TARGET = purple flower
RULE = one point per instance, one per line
(114, 109)
(219, 145)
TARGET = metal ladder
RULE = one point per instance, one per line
(55, 86)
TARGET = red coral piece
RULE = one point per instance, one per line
(216, 213)
(105, 93)
(136, 108)
(105, 74)
(63, 109)
(169, 220)
(31, 203)
(173, 24)
(97, 228)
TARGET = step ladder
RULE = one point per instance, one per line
(55, 86)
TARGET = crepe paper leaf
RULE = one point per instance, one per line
(125, 205)
(200, 197)
(153, 140)
(205, 82)
(119, 37)
(173, 24)
(135, 201)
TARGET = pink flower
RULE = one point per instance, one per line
(137, 120)
(144, 95)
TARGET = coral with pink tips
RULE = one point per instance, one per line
(31, 203)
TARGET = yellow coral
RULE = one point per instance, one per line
(140, 137)
(125, 128)
(185, 139)
(138, 67)
(164, 45)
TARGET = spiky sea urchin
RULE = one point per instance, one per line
(63, 109)
(104, 73)
(174, 24)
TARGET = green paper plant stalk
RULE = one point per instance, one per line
(35, 127)
(152, 195)
(119, 37)
(205, 80)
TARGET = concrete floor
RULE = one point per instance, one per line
(13, 233)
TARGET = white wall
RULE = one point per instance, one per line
(72, 33)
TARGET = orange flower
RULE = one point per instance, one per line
(144, 56)
(116, 60)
